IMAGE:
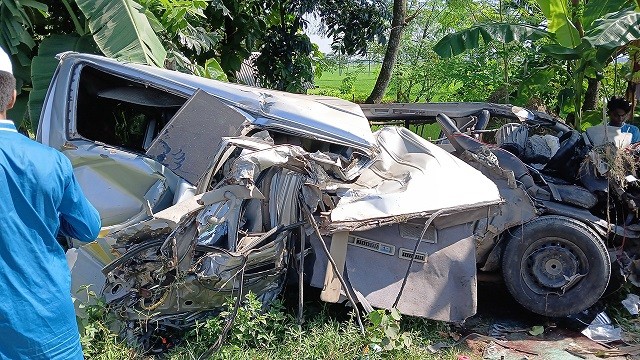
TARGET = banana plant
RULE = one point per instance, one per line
(587, 40)
(122, 31)
(17, 20)
(115, 28)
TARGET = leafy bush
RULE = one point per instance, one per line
(384, 330)
(97, 339)
(252, 327)
(346, 86)
(325, 92)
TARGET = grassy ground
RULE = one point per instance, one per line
(353, 83)
(329, 332)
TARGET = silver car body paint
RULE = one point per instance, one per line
(394, 194)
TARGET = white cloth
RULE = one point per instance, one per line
(5, 62)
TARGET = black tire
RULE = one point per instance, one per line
(542, 256)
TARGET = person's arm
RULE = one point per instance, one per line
(635, 134)
(78, 218)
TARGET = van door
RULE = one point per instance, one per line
(103, 123)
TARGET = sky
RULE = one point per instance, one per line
(324, 43)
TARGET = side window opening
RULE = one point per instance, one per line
(120, 112)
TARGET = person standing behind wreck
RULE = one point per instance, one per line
(39, 197)
(619, 110)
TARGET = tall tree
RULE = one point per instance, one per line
(391, 55)
(285, 52)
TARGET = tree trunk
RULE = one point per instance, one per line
(391, 55)
(634, 57)
(591, 95)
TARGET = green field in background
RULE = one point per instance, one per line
(363, 78)
(331, 83)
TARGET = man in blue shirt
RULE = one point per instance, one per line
(619, 110)
(39, 197)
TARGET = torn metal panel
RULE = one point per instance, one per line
(249, 164)
(410, 176)
(160, 270)
(442, 280)
(188, 142)
(134, 184)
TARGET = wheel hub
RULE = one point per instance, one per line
(551, 266)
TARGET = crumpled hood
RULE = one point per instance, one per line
(410, 176)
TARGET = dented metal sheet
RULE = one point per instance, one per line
(412, 176)
(188, 142)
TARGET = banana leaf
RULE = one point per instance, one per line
(558, 15)
(615, 29)
(596, 9)
(461, 41)
(122, 31)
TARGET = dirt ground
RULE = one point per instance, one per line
(508, 325)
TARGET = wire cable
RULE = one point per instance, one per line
(338, 273)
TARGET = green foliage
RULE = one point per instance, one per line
(591, 118)
(253, 327)
(605, 26)
(183, 29)
(44, 65)
(560, 22)
(326, 92)
(596, 9)
(461, 41)
(15, 18)
(349, 79)
(256, 328)
(384, 330)
(353, 24)
(239, 27)
(200, 36)
(211, 70)
(285, 61)
(274, 334)
(615, 29)
(331, 81)
(97, 339)
(536, 330)
(136, 41)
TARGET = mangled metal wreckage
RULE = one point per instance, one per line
(259, 205)
(283, 182)
(569, 228)
(209, 189)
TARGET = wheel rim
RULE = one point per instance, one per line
(552, 265)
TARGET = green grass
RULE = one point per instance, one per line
(330, 332)
(353, 83)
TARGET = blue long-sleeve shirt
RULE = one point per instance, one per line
(39, 197)
(633, 130)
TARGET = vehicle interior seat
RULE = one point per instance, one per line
(513, 138)
(532, 180)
